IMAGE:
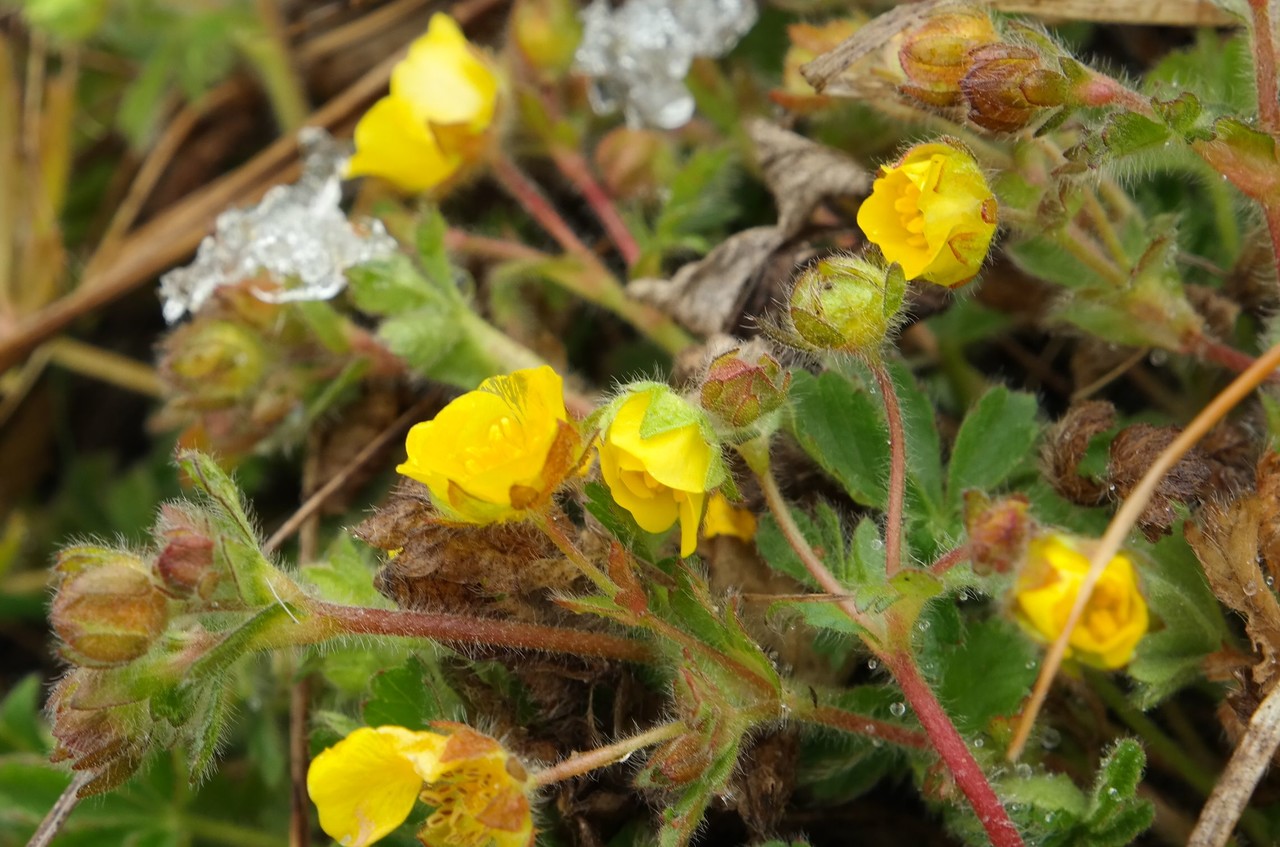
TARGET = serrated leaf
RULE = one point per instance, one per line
(345, 575)
(1128, 133)
(996, 437)
(992, 651)
(1179, 113)
(1118, 780)
(393, 286)
(429, 239)
(412, 696)
(843, 430)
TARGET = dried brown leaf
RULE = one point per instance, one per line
(801, 173)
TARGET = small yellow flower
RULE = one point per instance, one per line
(365, 786)
(932, 213)
(1115, 618)
(497, 452)
(659, 465)
(441, 106)
(724, 518)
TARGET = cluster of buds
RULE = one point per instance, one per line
(955, 57)
(243, 367)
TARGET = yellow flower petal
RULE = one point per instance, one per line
(1115, 619)
(724, 518)
(489, 441)
(365, 786)
(443, 79)
(393, 144)
(690, 505)
(678, 458)
(932, 213)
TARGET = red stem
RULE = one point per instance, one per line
(949, 560)
(1264, 65)
(525, 192)
(1273, 227)
(575, 169)
(484, 247)
(863, 725)
(954, 752)
(462, 629)
(1225, 355)
(897, 470)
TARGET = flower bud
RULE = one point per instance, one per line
(1115, 619)
(1007, 86)
(108, 741)
(631, 161)
(107, 610)
(935, 55)
(186, 563)
(547, 33)
(808, 42)
(680, 761)
(846, 303)
(739, 392)
(216, 361)
(998, 531)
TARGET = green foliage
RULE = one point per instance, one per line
(701, 201)
(843, 431)
(956, 653)
(411, 695)
(995, 439)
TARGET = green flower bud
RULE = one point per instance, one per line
(107, 610)
(217, 361)
(846, 304)
(547, 33)
(739, 392)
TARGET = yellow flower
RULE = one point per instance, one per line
(933, 214)
(1115, 618)
(442, 102)
(496, 452)
(724, 518)
(365, 786)
(658, 463)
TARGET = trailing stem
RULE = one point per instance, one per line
(834, 718)
(897, 469)
(577, 171)
(590, 760)
(1264, 65)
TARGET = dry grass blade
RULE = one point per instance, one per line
(1147, 12)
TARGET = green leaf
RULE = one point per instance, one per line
(701, 198)
(20, 726)
(1192, 623)
(345, 575)
(993, 651)
(1116, 815)
(842, 430)
(1128, 133)
(682, 817)
(412, 695)
(996, 437)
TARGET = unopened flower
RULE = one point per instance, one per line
(437, 116)
(657, 456)
(845, 303)
(739, 391)
(1115, 618)
(932, 213)
(108, 611)
(1008, 86)
(724, 518)
(365, 786)
(498, 452)
(935, 54)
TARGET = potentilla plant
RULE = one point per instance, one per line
(812, 561)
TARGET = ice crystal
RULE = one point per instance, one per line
(298, 235)
(638, 55)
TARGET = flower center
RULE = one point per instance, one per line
(909, 215)
(505, 436)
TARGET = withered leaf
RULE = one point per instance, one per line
(801, 173)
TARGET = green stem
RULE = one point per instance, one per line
(590, 760)
(1102, 225)
(231, 834)
(266, 49)
(552, 525)
(897, 469)
(1076, 242)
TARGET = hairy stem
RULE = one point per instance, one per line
(62, 809)
(1264, 65)
(530, 197)
(1085, 250)
(954, 752)
(950, 559)
(552, 525)
(338, 620)
(834, 718)
(897, 469)
(590, 760)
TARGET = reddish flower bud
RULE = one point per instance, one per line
(1007, 86)
(739, 392)
(998, 531)
(186, 565)
(106, 741)
(107, 610)
(935, 54)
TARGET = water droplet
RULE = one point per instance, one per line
(1048, 817)
(1113, 792)
(1022, 770)
(898, 709)
(869, 729)
(1250, 588)
(877, 544)
(1269, 580)
(1050, 738)
(979, 742)
(1031, 663)
(872, 664)
(1158, 358)
(923, 626)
